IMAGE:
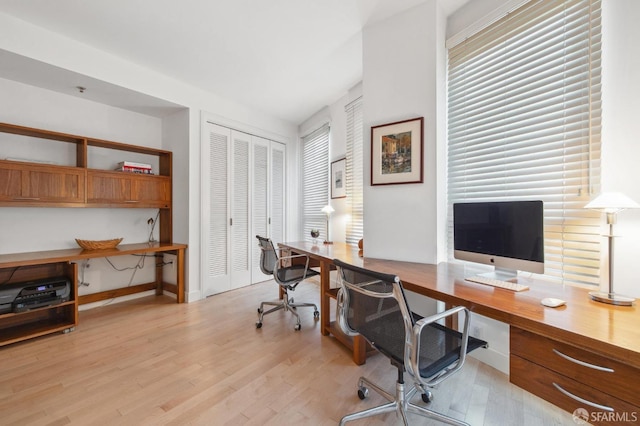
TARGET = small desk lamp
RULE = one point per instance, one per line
(611, 203)
(328, 210)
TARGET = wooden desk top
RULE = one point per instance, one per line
(66, 255)
(613, 331)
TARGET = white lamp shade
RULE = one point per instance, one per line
(611, 202)
(327, 210)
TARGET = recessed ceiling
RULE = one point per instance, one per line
(288, 58)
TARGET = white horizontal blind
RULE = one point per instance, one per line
(315, 181)
(524, 110)
(354, 172)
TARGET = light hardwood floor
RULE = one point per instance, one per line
(154, 362)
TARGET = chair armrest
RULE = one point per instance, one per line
(285, 259)
(294, 256)
(277, 266)
(341, 315)
(414, 350)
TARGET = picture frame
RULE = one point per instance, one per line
(396, 152)
(338, 183)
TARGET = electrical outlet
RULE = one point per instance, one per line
(170, 260)
(476, 331)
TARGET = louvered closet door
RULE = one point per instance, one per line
(241, 211)
(242, 196)
(260, 202)
(277, 193)
(216, 143)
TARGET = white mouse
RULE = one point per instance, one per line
(552, 302)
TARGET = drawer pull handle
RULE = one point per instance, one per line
(582, 400)
(584, 364)
(26, 198)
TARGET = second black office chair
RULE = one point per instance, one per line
(288, 277)
(373, 305)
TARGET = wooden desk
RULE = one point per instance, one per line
(22, 267)
(74, 254)
(593, 332)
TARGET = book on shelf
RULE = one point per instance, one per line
(134, 170)
(134, 165)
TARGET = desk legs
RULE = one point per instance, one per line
(180, 277)
(325, 300)
(358, 344)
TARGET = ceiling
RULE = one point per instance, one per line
(288, 58)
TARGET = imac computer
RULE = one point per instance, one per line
(508, 235)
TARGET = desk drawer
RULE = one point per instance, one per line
(547, 385)
(612, 377)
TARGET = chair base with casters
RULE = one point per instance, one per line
(288, 277)
(373, 305)
(400, 403)
(286, 304)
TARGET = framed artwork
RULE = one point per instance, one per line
(338, 184)
(396, 152)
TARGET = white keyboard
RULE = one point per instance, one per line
(498, 283)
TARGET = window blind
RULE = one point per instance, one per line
(315, 181)
(354, 172)
(524, 120)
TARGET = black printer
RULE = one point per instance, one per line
(20, 297)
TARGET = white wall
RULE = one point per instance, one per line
(401, 64)
(33, 42)
(33, 229)
(621, 131)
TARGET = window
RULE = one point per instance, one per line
(315, 181)
(524, 123)
(354, 172)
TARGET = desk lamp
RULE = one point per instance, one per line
(611, 203)
(328, 210)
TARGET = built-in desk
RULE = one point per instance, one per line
(22, 267)
(588, 349)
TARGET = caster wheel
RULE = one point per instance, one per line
(427, 397)
(258, 325)
(297, 327)
(363, 392)
(316, 315)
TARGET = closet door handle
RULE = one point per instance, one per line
(582, 363)
(582, 400)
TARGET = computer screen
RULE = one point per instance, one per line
(506, 234)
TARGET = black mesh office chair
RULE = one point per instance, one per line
(373, 305)
(287, 277)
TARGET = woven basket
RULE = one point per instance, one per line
(98, 244)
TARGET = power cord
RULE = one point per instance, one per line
(82, 282)
(153, 222)
(11, 275)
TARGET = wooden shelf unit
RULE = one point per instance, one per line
(33, 184)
